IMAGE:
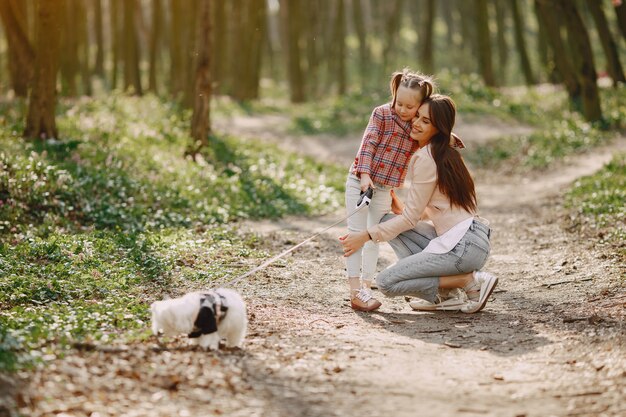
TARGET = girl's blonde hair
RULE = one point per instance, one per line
(413, 80)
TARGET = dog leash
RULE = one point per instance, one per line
(364, 200)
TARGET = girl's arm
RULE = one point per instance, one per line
(371, 138)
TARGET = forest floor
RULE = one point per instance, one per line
(551, 341)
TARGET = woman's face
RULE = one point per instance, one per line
(407, 102)
(423, 129)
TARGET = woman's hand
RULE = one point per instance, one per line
(366, 182)
(396, 205)
(352, 242)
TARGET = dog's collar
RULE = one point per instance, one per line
(220, 306)
(212, 304)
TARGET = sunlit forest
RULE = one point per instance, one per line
(149, 148)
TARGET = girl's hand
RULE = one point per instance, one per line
(352, 242)
(366, 182)
(396, 205)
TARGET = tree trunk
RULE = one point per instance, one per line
(191, 44)
(177, 47)
(201, 119)
(503, 49)
(550, 19)
(620, 11)
(40, 121)
(290, 17)
(393, 18)
(69, 50)
(155, 41)
(361, 34)
(98, 67)
(116, 41)
(464, 16)
(219, 63)
(240, 29)
(521, 43)
(21, 54)
(83, 47)
(447, 10)
(132, 77)
(545, 58)
(584, 67)
(614, 66)
(339, 41)
(426, 60)
(258, 38)
(484, 43)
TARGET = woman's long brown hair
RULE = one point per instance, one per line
(453, 177)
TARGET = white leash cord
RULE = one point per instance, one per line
(266, 263)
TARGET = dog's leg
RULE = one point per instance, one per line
(210, 341)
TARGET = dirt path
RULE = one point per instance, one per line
(550, 343)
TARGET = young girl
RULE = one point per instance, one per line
(381, 163)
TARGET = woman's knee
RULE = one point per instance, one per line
(384, 284)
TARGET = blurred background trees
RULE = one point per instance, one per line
(301, 49)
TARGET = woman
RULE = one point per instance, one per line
(440, 241)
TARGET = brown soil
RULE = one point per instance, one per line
(550, 342)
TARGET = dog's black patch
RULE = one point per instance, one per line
(205, 323)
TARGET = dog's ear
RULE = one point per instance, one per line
(206, 322)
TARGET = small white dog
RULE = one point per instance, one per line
(207, 317)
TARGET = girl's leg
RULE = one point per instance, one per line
(356, 222)
(360, 300)
(379, 206)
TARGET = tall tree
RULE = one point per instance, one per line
(132, 76)
(291, 24)
(614, 66)
(503, 49)
(98, 67)
(426, 60)
(21, 54)
(582, 53)
(156, 31)
(191, 57)
(361, 34)
(83, 47)
(484, 42)
(258, 37)
(201, 119)
(69, 49)
(219, 36)
(339, 42)
(550, 19)
(520, 42)
(620, 11)
(116, 39)
(40, 121)
(392, 14)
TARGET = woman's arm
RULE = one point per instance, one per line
(353, 241)
(423, 184)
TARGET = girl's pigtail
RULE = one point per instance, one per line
(396, 78)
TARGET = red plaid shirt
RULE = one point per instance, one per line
(386, 148)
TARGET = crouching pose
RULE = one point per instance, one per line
(440, 241)
(206, 317)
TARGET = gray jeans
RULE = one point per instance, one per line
(417, 273)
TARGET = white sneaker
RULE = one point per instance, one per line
(453, 301)
(487, 283)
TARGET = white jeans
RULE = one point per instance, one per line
(363, 262)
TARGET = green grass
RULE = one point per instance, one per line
(95, 226)
(597, 204)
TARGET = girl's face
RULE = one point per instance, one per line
(407, 103)
(423, 129)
